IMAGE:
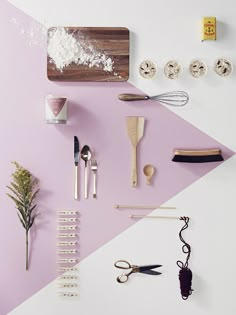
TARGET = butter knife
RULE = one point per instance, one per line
(76, 160)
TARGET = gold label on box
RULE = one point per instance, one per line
(208, 28)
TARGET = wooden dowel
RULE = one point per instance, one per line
(142, 207)
(153, 217)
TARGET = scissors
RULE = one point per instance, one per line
(123, 264)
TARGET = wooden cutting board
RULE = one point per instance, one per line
(111, 42)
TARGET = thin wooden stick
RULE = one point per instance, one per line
(142, 207)
(153, 217)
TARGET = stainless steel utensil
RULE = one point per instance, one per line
(174, 98)
(86, 156)
(76, 160)
(94, 168)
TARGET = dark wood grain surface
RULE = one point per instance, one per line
(112, 41)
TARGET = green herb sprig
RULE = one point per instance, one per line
(24, 191)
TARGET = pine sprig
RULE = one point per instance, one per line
(23, 188)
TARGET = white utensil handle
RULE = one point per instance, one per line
(86, 182)
(76, 182)
(94, 185)
(134, 177)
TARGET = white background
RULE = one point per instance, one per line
(161, 31)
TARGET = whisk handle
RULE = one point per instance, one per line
(133, 97)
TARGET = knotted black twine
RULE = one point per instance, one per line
(185, 274)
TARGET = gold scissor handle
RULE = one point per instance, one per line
(123, 277)
(123, 264)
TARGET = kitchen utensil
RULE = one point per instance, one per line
(197, 156)
(66, 269)
(67, 285)
(68, 294)
(68, 277)
(125, 265)
(67, 235)
(76, 160)
(142, 207)
(67, 220)
(67, 243)
(135, 128)
(108, 44)
(67, 261)
(148, 171)
(67, 227)
(133, 216)
(174, 98)
(94, 168)
(86, 156)
(67, 252)
(67, 212)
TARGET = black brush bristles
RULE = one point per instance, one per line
(197, 159)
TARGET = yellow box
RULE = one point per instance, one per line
(208, 28)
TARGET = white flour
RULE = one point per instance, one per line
(65, 48)
(35, 33)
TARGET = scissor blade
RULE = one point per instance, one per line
(151, 272)
(149, 267)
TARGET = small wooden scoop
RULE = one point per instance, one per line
(135, 128)
(148, 171)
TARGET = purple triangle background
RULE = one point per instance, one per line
(98, 119)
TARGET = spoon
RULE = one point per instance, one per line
(148, 171)
(86, 156)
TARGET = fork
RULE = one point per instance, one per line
(94, 168)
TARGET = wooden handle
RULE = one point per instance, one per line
(86, 182)
(76, 183)
(134, 176)
(133, 97)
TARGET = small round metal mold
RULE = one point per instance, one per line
(173, 69)
(147, 69)
(223, 67)
(197, 68)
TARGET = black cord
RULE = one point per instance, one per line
(185, 274)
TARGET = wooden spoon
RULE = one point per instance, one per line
(148, 171)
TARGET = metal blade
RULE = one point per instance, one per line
(151, 272)
(149, 267)
(76, 150)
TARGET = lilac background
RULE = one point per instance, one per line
(98, 119)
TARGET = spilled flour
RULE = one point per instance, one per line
(65, 49)
(35, 33)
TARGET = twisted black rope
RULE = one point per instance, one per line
(185, 274)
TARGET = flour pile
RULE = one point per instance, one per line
(65, 49)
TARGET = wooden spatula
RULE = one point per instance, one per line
(135, 128)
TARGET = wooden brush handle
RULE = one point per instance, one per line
(134, 176)
(133, 97)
